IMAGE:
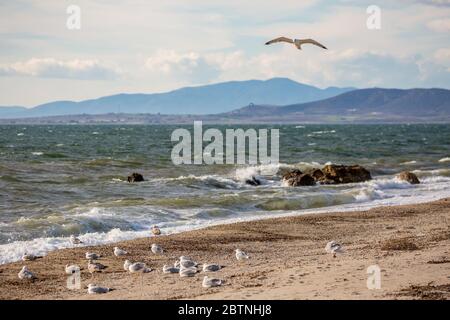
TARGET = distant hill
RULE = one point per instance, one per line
(363, 104)
(8, 111)
(209, 99)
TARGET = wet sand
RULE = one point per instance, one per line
(410, 244)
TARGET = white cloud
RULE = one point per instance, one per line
(52, 68)
(440, 25)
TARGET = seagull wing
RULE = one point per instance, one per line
(280, 39)
(311, 41)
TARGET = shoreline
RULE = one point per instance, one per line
(288, 260)
(344, 208)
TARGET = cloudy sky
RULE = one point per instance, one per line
(154, 46)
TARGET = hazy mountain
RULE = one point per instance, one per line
(209, 99)
(7, 111)
(360, 104)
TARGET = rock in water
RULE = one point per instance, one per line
(253, 181)
(296, 178)
(135, 177)
(408, 176)
(344, 174)
(315, 173)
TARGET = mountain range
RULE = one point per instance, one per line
(277, 100)
(208, 99)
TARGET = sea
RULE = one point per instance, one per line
(62, 180)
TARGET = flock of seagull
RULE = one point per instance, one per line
(184, 266)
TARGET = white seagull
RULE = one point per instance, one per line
(241, 255)
(297, 42)
(126, 265)
(211, 267)
(139, 267)
(75, 240)
(95, 289)
(211, 282)
(92, 256)
(170, 269)
(26, 274)
(185, 262)
(334, 248)
(157, 249)
(71, 269)
(95, 267)
(119, 252)
(188, 272)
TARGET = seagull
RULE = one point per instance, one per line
(297, 42)
(119, 252)
(188, 272)
(95, 289)
(26, 274)
(241, 255)
(92, 256)
(95, 267)
(71, 269)
(211, 282)
(29, 257)
(157, 249)
(211, 267)
(334, 248)
(170, 269)
(138, 267)
(185, 262)
(126, 265)
(75, 240)
(156, 231)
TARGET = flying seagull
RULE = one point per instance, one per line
(297, 42)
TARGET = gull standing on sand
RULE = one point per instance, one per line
(241, 255)
(95, 289)
(95, 267)
(170, 269)
(211, 282)
(334, 248)
(139, 267)
(92, 256)
(75, 240)
(126, 265)
(157, 249)
(156, 231)
(188, 272)
(211, 267)
(26, 274)
(185, 262)
(296, 42)
(71, 269)
(119, 252)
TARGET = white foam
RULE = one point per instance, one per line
(37, 153)
(446, 159)
(384, 191)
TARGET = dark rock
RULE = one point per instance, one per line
(408, 176)
(344, 174)
(315, 173)
(135, 177)
(292, 174)
(253, 181)
(296, 178)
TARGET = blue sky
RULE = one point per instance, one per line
(154, 46)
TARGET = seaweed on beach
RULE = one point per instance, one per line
(427, 292)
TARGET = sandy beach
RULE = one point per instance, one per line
(410, 244)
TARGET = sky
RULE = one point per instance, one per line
(147, 46)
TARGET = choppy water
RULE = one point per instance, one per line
(61, 180)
